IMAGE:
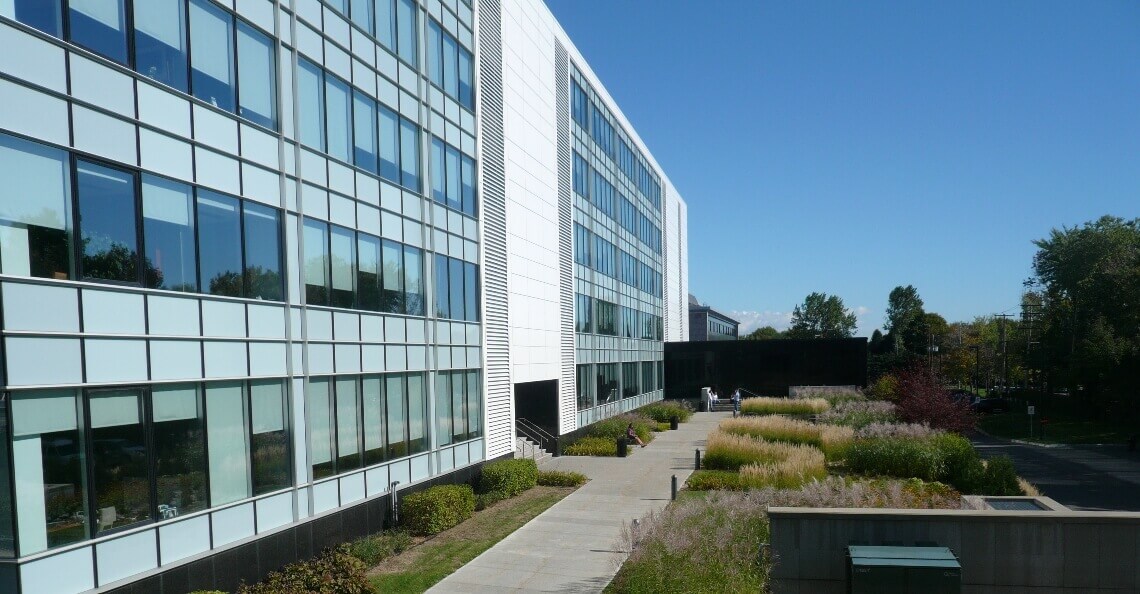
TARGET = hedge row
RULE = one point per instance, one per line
(437, 508)
(334, 571)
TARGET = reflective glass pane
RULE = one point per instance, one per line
(269, 442)
(107, 217)
(48, 470)
(438, 172)
(168, 234)
(337, 114)
(467, 179)
(406, 29)
(417, 414)
(160, 42)
(455, 287)
(45, 15)
(413, 281)
(386, 23)
(257, 77)
(443, 414)
(470, 291)
(409, 155)
(434, 66)
(310, 105)
(7, 507)
(466, 76)
(316, 262)
(372, 390)
(226, 442)
(212, 54)
(263, 279)
(394, 392)
(450, 66)
(368, 272)
(320, 428)
(389, 145)
(458, 406)
(343, 267)
(584, 382)
(365, 153)
(100, 26)
(442, 294)
(347, 425)
(454, 200)
(219, 244)
(392, 294)
(362, 14)
(35, 210)
(118, 460)
(179, 450)
(474, 406)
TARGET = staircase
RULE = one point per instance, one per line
(525, 448)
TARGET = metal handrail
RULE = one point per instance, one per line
(533, 432)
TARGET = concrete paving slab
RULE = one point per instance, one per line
(575, 546)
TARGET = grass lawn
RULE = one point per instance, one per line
(1064, 427)
(420, 567)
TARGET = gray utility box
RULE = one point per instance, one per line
(901, 570)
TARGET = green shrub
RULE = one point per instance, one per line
(560, 478)
(592, 446)
(897, 457)
(714, 480)
(660, 426)
(485, 500)
(999, 478)
(436, 509)
(334, 571)
(374, 548)
(964, 467)
(509, 476)
(664, 410)
(614, 427)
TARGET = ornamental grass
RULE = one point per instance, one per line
(783, 406)
(832, 439)
(859, 413)
(764, 463)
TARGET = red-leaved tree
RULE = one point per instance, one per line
(922, 399)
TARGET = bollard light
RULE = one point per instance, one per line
(697, 460)
(674, 488)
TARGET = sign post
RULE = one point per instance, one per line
(1032, 409)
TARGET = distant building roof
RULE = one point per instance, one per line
(696, 308)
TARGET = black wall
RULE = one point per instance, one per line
(766, 367)
(537, 402)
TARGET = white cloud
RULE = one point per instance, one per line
(751, 320)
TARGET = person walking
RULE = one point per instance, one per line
(736, 403)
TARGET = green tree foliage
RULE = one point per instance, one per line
(905, 321)
(822, 316)
(1089, 279)
(765, 333)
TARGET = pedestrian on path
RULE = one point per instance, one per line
(632, 435)
(736, 403)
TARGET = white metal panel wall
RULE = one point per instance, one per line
(676, 267)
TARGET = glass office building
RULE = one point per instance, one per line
(264, 261)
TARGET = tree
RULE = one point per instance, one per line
(923, 399)
(765, 333)
(822, 316)
(904, 311)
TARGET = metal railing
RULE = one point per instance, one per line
(534, 433)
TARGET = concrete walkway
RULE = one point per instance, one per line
(575, 545)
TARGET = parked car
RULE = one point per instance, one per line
(991, 405)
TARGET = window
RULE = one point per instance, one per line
(263, 279)
(443, 409)
(269, 442)
(454, 200)
(35, 209)
(409, 155)
(160, 42)
(100, 26)
(226, 443)
(47, 466)
(320, 428)
(579, 104)
(607, 383)
(347, 426)
(389, 145)
(310, 105)
(337, 114)
(455, 286)
(648, 381)
(362, 14)
(417, 414)
(107, 216)
(372, 412)
(442, 292)
(585, 387)
(606, 317)
(628, 322)
(467, 183)
(474, 406)
(394, 391)
(470, 291)
(212, 54)
(168, 234)
(343, 267)
(406, 30)
(629, 377)
(364, 153)
(438, 172)
(219, 244)
(392, 293)
(434, 53)
(386, 23)
(118, 459)
(604, 195)
(582, 244)
(466, 79)
(45, 16)
(316, 262)
(581, 177)
(583, 314)
(368, 272)
(458, 406)
(257, 76)
(179, 449)
(413, 281)
(450, 66)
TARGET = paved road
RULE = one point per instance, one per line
(1080, 477)
(574, 546)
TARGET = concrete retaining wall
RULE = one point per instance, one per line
(1000, 552)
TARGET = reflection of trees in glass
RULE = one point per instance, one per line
(393, 299)
(269, 454)
(117, 262)
(262, 283)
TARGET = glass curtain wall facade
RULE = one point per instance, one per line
(618, 302)
(239, 272)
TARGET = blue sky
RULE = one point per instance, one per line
(849, 147)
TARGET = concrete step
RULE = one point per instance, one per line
(525, 448)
